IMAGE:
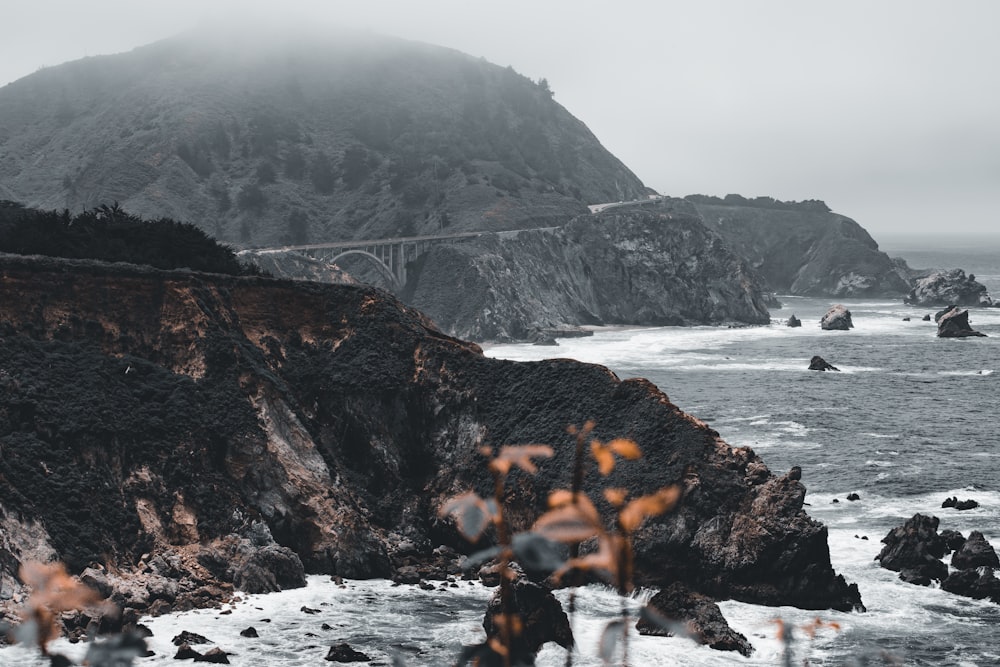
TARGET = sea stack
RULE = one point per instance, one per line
(954, 323)
(838, 318)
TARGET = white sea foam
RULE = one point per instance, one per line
(982, 372)
(427, 628)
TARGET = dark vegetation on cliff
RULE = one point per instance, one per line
(152, 416)
(109, 234)
(813, 205)
(275, 135)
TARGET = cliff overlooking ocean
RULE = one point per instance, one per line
(159, 424)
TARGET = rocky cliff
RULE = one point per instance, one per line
(157, 423)
(649, 266)
(275, 134)
(803, 248)
(947, 288)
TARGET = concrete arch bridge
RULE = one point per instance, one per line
(390, 257)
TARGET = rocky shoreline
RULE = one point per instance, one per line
(176, 436)
(666, 262)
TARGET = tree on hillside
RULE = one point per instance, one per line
(323, 174)
(108, 233)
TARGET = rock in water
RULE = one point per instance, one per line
(953, 540)
(978, 583)
(954, 323)
(542, 615)
(185, 652)
(967, 504)
(698, 614)
(975, 552)
(794, 322)
(914, 550)
(215, 655)
(838, 318)
(818, 363)
(942, 288)
(344, 653)
(186, 637)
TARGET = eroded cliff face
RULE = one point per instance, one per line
(645, 266)
(803, 249)
(155, 424)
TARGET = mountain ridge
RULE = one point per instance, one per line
(260, 139)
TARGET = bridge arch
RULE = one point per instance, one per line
(379, 264)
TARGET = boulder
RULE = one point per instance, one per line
(794, 321)
(942, 288)
(344, 653)
(920, 576)
(915, 550)
(250, 632)
(541, 614)
(977, 583)
(411, 566)
(968, 504)
(906, 319)
(838, 318)
(926, 318)
(818, 363)
(215, 655)
(700, 616)
(185, 652)
(953, 540)
(253, 562)
(954, 323)
(186, 637)
(853, 496)
(976, 552)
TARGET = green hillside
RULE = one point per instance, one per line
(273, 137)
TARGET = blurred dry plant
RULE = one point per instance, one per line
(788, 636)
(53, 591)
(571, 518)
(472, 516)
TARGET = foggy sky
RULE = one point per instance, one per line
(889, 110)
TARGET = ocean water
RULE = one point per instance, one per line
(909, 421)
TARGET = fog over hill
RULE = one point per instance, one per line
(270, 136)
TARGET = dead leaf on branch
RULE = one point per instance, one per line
(604, 457)
(560, 497)
(616, 497)
(570, 523)
(625, 448)
(604, 453)
(583, 431)
(521, 457)
(472, 514)
(644, 507)
(605, 559)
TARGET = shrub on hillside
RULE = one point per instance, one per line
(109, 234)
